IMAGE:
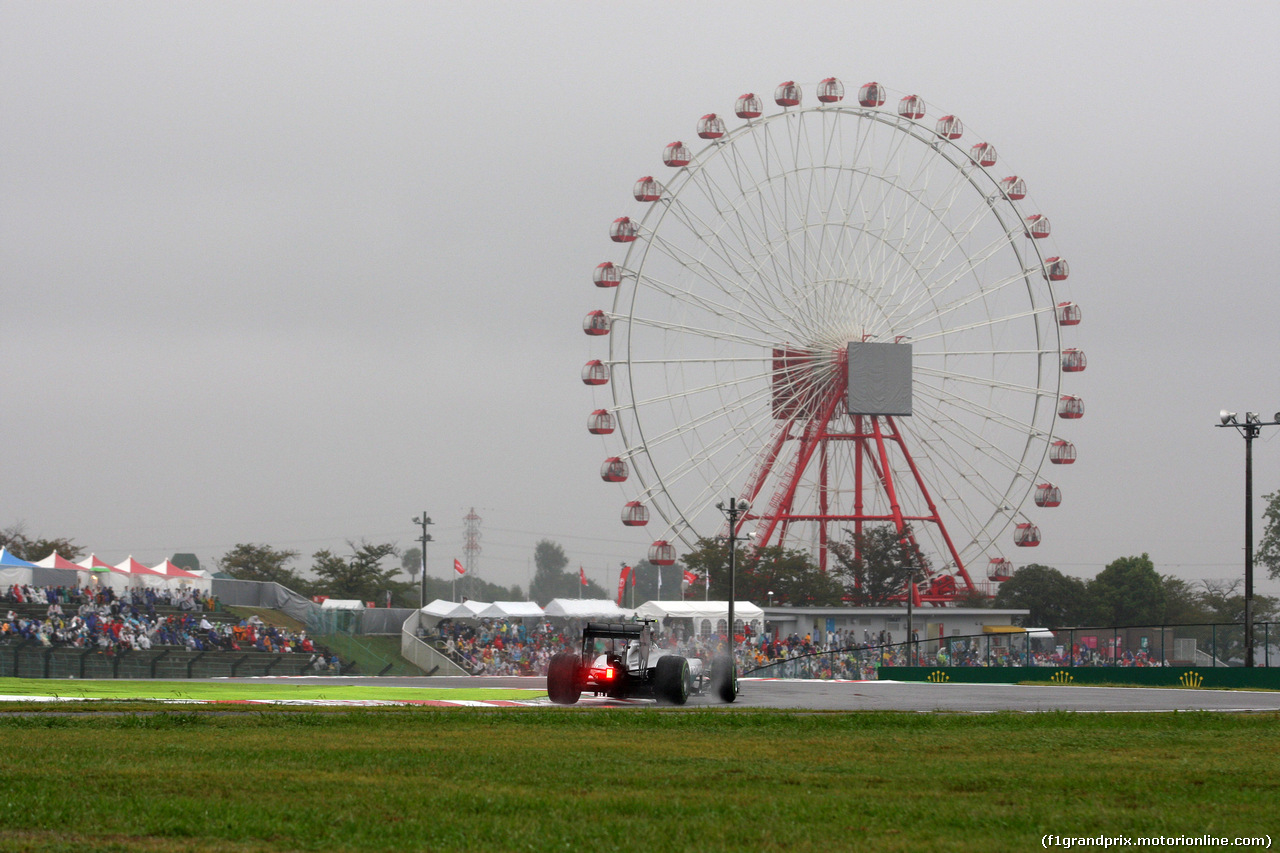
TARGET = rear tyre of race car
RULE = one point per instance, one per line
(724, 677)
(671, 679)
(562, 679)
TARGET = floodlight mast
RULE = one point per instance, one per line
(422, 521)
(1250, 429)
(736, 507)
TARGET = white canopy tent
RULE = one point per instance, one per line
(139, 575)
(104, 574)
(586, 608)
(511, 610)
(177, 577)
(706, 615)
(342, 604)
(441, 609)
(14, 570)
(11, 575)
(472, 609)
(63, 572)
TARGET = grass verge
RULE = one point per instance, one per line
(629, 779)
(210, 691)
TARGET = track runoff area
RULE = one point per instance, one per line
(530, 692)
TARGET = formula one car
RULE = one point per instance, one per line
(618, 660)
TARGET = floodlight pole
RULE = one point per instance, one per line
(910, 614)
(734, 508)
(422, 521)
(1250, 429)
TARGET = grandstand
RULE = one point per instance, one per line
(148, 639)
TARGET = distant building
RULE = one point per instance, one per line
(190, 562)
(930, 622)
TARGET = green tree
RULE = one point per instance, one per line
(790, 575)
(876, 564)
(19, 544)
(361, 576)
(1183, 603)
(550, 580)
(973, 598)
(1223, 601)
(1268, 551)
(411, 562)
(1054, 599)
(1128, 592)
(250, 562)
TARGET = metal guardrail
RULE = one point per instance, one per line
(31, 659)
(1200, 645)
(426, 657)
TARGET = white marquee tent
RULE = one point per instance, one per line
(511, 610)
(586, 608)
(706, 615)
(441, 609)
(13, 570)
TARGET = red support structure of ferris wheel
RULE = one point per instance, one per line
(814, 408)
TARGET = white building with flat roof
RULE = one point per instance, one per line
(863, 623)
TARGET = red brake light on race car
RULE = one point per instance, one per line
(608, 673)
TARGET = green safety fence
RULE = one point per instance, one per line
(1236, 677)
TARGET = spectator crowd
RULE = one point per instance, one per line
(501, 647)
(100, 618)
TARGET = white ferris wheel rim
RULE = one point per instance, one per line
(736, 260)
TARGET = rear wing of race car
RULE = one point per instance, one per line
(615, 630)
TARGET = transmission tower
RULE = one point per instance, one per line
(471, 545)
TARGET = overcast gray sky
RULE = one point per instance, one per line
(292, 273)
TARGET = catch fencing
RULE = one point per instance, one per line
(1212, 645)
(364, 621)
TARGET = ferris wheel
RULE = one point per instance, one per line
(845, 315)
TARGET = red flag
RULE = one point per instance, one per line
(915, 596)
(457, 567)
(690, 577)
(582, 575)
(622, 583)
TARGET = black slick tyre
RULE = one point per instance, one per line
(724, 677)
(671, 679)
(563, 687)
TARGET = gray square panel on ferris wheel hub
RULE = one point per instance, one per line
(879, 378)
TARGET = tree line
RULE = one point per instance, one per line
(871, 568)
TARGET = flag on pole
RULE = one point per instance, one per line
(582, 575)
(915, 597)
(622, 583)
(690, 577)
(457, 567)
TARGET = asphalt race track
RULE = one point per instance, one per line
(905, 696)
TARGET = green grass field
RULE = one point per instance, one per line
(238, 778)
(213, 691)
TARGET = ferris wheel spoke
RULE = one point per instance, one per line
(709, 456)
(983, 382)
(712, 307)
(653, 444)
(910, 268)
(719, 385)
(986, 412)
(856, 199)
(685, 258)
(1003, 320)
(707, 334)
(746, 405)
(936, 310)
(958, 434)
(965, 483)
